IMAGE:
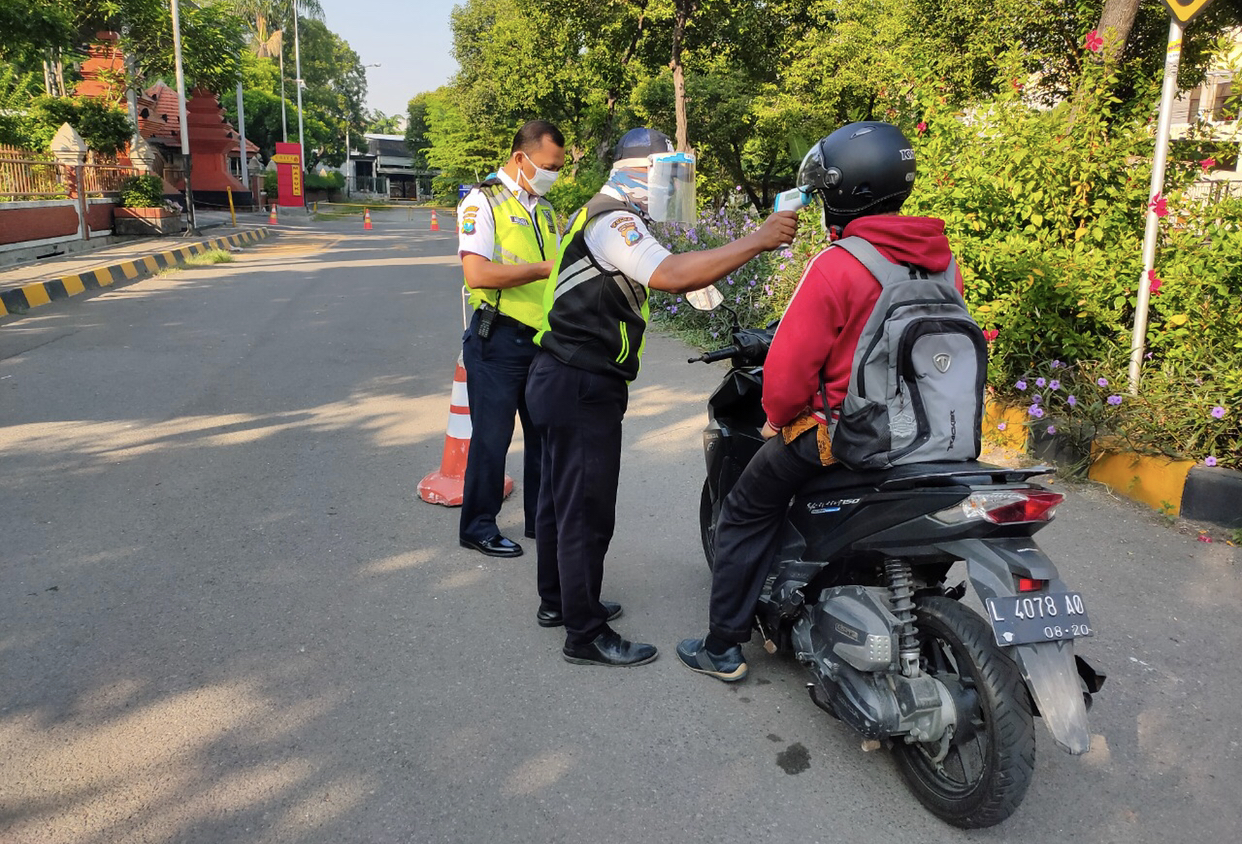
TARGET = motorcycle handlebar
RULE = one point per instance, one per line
(719, 354)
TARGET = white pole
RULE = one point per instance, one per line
(284, 120)
(1138, 342)
(241, 145)
(185, 131)
(297, 68)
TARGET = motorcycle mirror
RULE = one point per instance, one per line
(707, 299)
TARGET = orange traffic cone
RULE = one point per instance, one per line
(435, 223)
(366, 219)
(271, 218)
(446, 485)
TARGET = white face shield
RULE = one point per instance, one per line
(661, 184)
(670, 186)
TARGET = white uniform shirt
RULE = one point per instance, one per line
(621, 242)
(476, 229)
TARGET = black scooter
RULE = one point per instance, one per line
(858, 595)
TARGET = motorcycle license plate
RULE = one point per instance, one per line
(1038, 617)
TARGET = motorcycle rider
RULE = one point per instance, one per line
(863, 173)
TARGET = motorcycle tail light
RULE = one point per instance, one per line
(1026, 584)
(1005, 507)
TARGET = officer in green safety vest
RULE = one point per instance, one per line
(508, 238)
(591, 344)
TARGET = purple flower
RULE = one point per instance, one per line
(1021, 385)
(692, 236)
(1052, 429)
(1036, 398)
(1218, 412)
(1041, 382)
(1209, 461)
(1114, 400)
(1001, 426)
(1071, 400)
(1036, 411)
(672, 309)
(1102, 382)
(782, 266)
(767, 288)
(1054, 385)
(1056, 364)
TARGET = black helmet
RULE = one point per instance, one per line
(860, 169)
(640, 143)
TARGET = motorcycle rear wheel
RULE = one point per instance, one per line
(707, 528)
(983, 778)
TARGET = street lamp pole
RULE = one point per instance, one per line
(297, 68)
(185, 131)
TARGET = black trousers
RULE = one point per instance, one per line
(749, 528)
(496, 381)
(578, 414)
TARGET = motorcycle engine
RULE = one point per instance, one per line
(849, 641)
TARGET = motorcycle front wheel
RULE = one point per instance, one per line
(983, 776)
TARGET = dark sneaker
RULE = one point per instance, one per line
(729, 666)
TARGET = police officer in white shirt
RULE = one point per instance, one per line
(507, 239)
(590, 344)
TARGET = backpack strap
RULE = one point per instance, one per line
(884, 270)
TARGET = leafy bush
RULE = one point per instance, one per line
(270, 183)
(142, 192)
(330, 181)
(104, 127)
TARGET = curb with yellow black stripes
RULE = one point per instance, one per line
(21, 299)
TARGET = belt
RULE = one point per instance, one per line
(505, 319)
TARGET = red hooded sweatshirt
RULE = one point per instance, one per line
(829, 308)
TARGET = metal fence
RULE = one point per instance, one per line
(104, 179)
(1215, 190)
(29, 175)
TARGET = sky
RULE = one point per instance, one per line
(410, 39)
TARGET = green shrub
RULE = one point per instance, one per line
(104, 127)
(331, 181)
(142, 192)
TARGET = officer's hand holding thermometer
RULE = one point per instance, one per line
(792, 200)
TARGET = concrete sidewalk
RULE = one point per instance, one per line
(34, 284)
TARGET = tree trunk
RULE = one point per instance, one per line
(1116, 21)
(685, 10)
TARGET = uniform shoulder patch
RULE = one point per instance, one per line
(468, 216)
(628, 229)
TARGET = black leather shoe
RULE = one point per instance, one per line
(608, 648)
(553, 618)
(497, 546)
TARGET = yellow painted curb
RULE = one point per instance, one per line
(1015, 433)
(38, 293)
(1157, 482)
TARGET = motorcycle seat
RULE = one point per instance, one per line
(957, 473)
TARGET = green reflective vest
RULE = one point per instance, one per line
(521, 238)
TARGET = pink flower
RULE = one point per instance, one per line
(1218, 412)
(1159, 206)
(1153, 283)
(1207, 163)
(991, 334)
(1094, 42)
(1209, 461)
(1203, 537)
(1001, 426)
(922, 127)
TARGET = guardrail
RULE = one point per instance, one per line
(1214, 190)
(103, 179)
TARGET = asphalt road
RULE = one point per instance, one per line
(225, 616)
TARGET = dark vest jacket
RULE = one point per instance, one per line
(594, 319)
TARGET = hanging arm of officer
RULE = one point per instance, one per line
(484, 274)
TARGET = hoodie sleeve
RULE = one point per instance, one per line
(808, 330)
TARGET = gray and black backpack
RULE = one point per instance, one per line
(916, 387)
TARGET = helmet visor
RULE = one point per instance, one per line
(814, 174)
(670, 186)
